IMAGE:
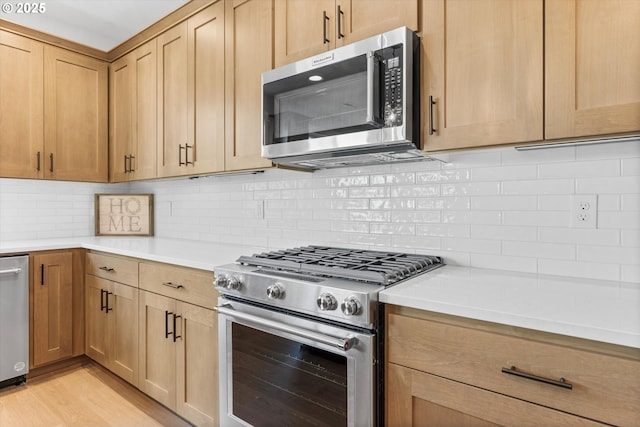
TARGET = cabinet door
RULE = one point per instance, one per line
(303, 28)
(157, 350)
(75, 110)
(359, 19)
(592, 58)
(205, 40)
(122, 312)
(132, 120)
(482, 65)
(96, 331)
(172, 100)
(21, 107)
(248, 53)
(121, 124)
(52, 311)
(415, 398)
(145, 141)
(197, 365)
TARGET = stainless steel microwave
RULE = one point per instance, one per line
(357, 104)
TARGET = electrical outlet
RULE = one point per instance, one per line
(584, 211)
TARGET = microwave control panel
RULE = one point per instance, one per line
(392, 66)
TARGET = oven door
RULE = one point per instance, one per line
(278, 369)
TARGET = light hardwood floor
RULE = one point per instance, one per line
(81, 395)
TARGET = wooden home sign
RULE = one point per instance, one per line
(124, 214)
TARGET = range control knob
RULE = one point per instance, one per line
(234, 283)
(275, 291)
(221, 281)
(351, 306)
(327, 302)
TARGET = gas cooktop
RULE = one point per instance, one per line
(376, 267)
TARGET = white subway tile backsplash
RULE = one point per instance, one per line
(631, 273)
(539, 250)
(493, 208)
(630, 202)
(451, 175)
(443, 230)
(503, 232)
(543, 186)
(504, 203)
(474, 188)
(629, 220)
(589, 270)
(614, 150)
(415, 191)
(450, 203)
(554, 202)
(395, 229)
(602, 168)
(585, 236)
(609, 254)
(540, 218)
(503, 262)
(471, 217)
(631, 238)
(457, 244)
(504, 173)
(631, 166)
(615, 185)
(393, 179)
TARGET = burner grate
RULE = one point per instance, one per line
(378, 267)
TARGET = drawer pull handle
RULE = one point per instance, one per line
(558, 383)
(107, 269)
(173, 285)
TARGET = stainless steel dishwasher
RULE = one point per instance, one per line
(14, 319)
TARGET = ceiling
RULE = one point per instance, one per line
(101, 24)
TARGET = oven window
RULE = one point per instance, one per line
(279, 382)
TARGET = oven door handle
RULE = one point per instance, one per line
(341, 343)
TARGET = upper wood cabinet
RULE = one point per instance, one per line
(592, 60)
(248, 53)
(191, 95)
(482, 68)
(21, 106)
(305, 28)
(132, 115)
(75, 110)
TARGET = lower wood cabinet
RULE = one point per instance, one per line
(417, 398)
(178, 342)
(56, 312)
(153, 325)
(112, 326)
(448, 371)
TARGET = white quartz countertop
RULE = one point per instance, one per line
(186, 253)
(592, 309)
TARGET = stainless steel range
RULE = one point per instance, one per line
(299, 341)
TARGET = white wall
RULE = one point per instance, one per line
(496, 208)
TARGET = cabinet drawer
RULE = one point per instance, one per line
(184, 284)
(604, 387)
(113, 268)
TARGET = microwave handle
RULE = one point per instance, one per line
(373, 87)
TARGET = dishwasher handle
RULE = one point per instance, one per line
(11, 271)
(341, 343)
